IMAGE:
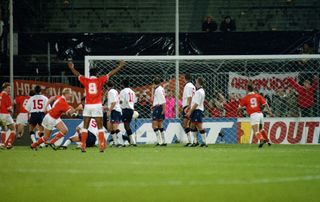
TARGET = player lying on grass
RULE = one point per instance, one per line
(53, 118)
(253, 102)
(196, 114)
(92, 136)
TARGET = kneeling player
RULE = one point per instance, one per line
(196, 114)
(52, 119)
(253, 102)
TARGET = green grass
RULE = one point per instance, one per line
(218, 173)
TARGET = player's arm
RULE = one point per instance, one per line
(71, 111)
(73, 70)
(268, 109)
(50, 101)
(113, 104)
(117, 69)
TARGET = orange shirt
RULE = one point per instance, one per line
(252, 102)
(21, 102)
(59, 107)
(5, 103)
(93, 86)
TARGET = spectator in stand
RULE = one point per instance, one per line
(228, 25)
(306, 94)
(279, 103)
(231, 107)
(214, 111)
(292, 104)
(307, 49)
(170, 105)
(143, 105)
(209, 25)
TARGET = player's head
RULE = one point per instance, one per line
(93, 71)
(6, 87)
(32, 93)
(110, 84)
(126, 83)
(199, 82)
(250, 88)
(188, 77)
(306, 83)
(156, 81)
(37, 90)
(66, 92)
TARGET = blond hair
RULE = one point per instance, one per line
(66, 91)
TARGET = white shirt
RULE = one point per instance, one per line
(159, 96)
(113, 96)
(93, 128)
(198, 99)
(188, 91)
(37, 103)
(127, 98)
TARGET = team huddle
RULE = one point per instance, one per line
(44, 114)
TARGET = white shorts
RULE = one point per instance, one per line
(92, 110)
(22, 118)
(49, 122)
(256, 118)
(6, 119)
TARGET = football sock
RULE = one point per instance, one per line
(203, 136)
(259, 136)
(67, 143)
(56, 137)
(162, 135)
(3, 137)
(119, 136)
(40, 141)
(84, 137)
(264, 135)
(11, 138)
(101, 139)
(131, 138)
(33, 136)
(187, 131)
(195, 136)
(114, 137)
(157, 135)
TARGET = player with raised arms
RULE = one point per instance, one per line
(36, 106)
(158, 113)
(93, 103)
(6, 121)
(127, 100)
(53, 118)
(196, 114)
(253, 102)
(188, 91)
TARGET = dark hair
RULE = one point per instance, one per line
(37, 89)
(32, 93)
(250, 88)
(110, 84)
(200, 81)
(126, 83)
(93, 72)
(188, 77)
(156, 80)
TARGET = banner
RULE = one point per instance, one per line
(282, 130)
(23, 87)
(265, 83)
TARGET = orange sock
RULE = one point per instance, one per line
(264, 135)
(101, 140)
(11, 138)
(40, 141)
(56, 138)
(3, 137)
(84, 137)
(259, 136)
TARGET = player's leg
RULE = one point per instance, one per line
(3, 134)
(63, 130)
(130, 133)
(200, 128)
(84, 133)
(115, 128)
(155, 127)
(12, 136)
(102, 142)
(194, 132)
(162, 133)
(187, 130)
(44, 138)
(263, 132)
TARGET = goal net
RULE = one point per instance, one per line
(288, 82)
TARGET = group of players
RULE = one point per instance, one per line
(45, 114)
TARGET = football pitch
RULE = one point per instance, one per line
(172, 173)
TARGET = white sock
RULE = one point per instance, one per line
(114, 137)
(158, 137)
(163, 137)
(33, 138)
(67, 143)
(132, 139)
(204, 138)
(189, 137)
(195, 137)
(120, 139)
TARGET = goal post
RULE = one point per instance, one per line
(288, 82)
